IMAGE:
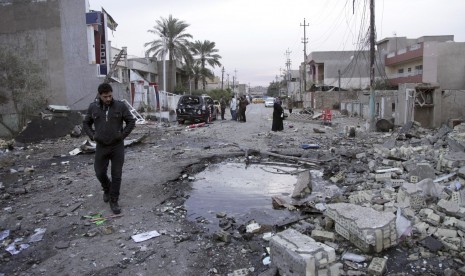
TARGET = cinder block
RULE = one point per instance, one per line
(363, 226)
(323, 236)
(377, 266)
(411, 195)
(381, 177)
(296, 254)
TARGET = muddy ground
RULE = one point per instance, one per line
(42, 186)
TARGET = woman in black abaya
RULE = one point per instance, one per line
(278, 116)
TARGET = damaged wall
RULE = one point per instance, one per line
(53, 35)
(433, 107)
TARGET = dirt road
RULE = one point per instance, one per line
(61, 189)
(46, 190)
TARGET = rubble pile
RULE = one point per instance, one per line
(399, 190)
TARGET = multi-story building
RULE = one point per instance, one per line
(436, 60)
(345, 69)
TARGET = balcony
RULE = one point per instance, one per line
(416, 77)
(405, 55)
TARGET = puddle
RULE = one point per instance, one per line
(241, 192)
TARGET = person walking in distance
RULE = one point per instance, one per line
(290, 104)
(278, 116)
(233, 107)
(103, 124)
(222, 107)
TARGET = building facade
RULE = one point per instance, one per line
(436, 60)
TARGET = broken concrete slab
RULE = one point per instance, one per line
(422, 171)
(411, 195)
(365, 227)
(295, 254)
(302, 187)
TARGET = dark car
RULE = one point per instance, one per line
(195, 109)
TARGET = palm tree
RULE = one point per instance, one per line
(205, 53)
(172, 39)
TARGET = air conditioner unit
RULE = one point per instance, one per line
(103, 61)
(102, 54)
(102, 46)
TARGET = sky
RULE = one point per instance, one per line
(256, 38)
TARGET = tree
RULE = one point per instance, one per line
(273, 89)
(205, 53)
(172, 40)
(21, 86)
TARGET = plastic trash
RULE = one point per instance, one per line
(266, 260)
(310, 146)
(145, 236)
(14, 247)
(429, 188)
(403, 225)
(4, 234)
(38, 235)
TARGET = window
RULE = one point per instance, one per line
(400, 71)
(393, 107)
(409, 69)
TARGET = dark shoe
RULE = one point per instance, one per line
(115, 207)
(106, 196)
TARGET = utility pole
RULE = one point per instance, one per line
(372, 65)
(222, 78)
(234, 79)
(339, 85)
(305, 41)
(288, 67)
(228, 79)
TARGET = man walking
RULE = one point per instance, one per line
(103, 124)
(233, 107)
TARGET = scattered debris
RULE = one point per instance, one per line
(145, 236)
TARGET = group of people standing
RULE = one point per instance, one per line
(238, 108)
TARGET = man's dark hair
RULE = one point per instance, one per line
(104, 88)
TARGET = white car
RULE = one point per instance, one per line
(269, 102)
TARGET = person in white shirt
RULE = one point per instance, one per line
(233, 108)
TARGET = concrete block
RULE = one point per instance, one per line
(381, 177)
(411, 195)
(449, 207)
(446, 233)
(296, 254)
(338, 177)
(361, 197)
(396, 182)
(433, 219)
(363, 226)
(377, 266)
(323, 236)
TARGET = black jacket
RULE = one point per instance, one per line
(108, 122)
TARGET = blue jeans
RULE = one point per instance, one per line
(233, 114)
